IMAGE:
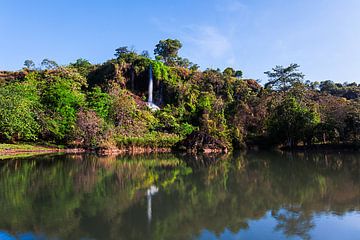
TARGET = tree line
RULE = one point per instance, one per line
(104, 105)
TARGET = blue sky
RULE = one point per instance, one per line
(323, 36)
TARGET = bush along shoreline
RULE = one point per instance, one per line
(134, 103)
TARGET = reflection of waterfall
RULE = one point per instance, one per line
(151, 105)
(150, 192)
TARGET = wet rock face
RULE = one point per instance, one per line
(201, 142)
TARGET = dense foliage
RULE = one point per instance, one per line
(105, 104)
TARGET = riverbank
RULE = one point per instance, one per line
(8, 151)
(23, 148)
(27, 150)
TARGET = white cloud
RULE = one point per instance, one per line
(203, 44)
(208, 40)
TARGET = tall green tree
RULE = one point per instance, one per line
(62, 99)
(83, 66)
(238, 74)
(283, 78)
(29, 64)
(122, 51)
(19, 105)
(229, 72)
(49, 64)
(167, 50)
(290, 123)
(100, 102)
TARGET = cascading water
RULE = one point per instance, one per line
(151, 86)
(150, 104)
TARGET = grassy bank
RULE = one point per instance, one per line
(22, 150)
(4, 147)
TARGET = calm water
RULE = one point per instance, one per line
(254, 196)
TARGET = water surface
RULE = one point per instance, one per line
(258, 195)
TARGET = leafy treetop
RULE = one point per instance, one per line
(282, 78)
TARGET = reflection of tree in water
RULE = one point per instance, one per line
(105, 198)
(74, 191)
(294, 222)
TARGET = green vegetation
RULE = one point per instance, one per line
(18, 104)
(157, 140)
(104, 105)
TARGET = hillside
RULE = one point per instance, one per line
(106, 105)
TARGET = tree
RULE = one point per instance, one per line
(238, 74)
(29, 64)
(194, 67)
(62, 99)
(83, 66)
(49, 64)
(145, 53)
(229, 72)
(290, 123)
(283, 78)
(126, 54)
(352, 121)
(128, 118)
(312, 85)
(121, 51)
(167, 50)
(334, 111)
(99, 102)
(183, 62)
(88, 127)
(19, 103)
(327, 86)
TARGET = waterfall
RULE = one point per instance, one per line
(151, 86)
(150, 104)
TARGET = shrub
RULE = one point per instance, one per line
(88, 128)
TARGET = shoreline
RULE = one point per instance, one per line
(9, 150)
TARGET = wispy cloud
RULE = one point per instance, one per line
(203, 43)
(207, 39)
